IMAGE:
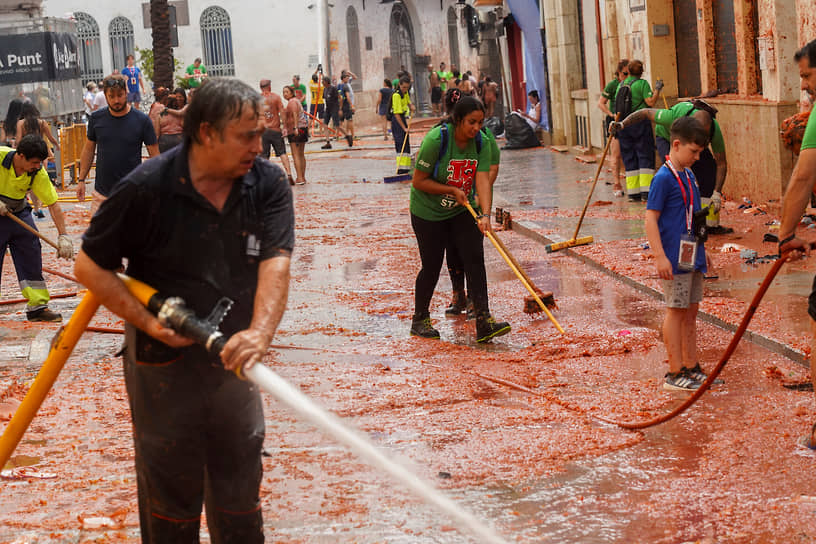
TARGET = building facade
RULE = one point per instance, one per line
(374, 38)
(274, 39)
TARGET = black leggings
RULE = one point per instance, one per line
(433, 237)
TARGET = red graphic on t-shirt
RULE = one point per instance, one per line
(461, 173)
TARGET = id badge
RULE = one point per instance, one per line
(132, 81)
(688, 252)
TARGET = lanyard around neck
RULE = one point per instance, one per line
(689, 206)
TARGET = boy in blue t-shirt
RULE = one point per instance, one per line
(679, 255)
(135, 82)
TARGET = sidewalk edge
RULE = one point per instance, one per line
(525, 228)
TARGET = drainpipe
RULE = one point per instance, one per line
(600, 42)
(325, 35)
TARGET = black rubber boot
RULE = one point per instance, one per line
(458, 304)
(487, 328)
(43, 314)
(421, 326)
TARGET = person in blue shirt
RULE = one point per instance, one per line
(679, 255)
(135, 82)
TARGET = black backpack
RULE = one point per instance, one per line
(623, 100)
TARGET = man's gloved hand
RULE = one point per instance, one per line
(659, 85)
(716, 201)
(615, 127)
(66, 247)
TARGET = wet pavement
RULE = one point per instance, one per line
(536, 464)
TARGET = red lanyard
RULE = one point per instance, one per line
(690, 205)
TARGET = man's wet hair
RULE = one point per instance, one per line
(32, 146)
(809, 52)
(689, 131)
(265, 83)
(217, 102)
(636, 68)
(623, 65)
(116, 81)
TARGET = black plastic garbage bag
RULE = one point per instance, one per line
(495, 125)
(518, 133)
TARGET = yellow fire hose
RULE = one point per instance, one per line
(61, 348)
(515, 270)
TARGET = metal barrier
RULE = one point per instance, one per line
(72, 140)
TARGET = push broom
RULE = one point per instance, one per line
(584, 240)
(397, 176)
(511, 262)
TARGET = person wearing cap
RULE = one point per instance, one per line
(300, 90)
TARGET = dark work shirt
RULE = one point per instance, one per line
(332, 98)
(178, 243)
(118, 145)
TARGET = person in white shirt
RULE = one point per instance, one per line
(88, 98)
(99, 100)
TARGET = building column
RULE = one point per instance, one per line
(706, 41)
(564, 60)
(745, 34)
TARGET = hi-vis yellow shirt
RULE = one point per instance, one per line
(400, 104)
(15, 187)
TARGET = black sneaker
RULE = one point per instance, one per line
(422, 327)
(487, 328)
(634, 198)
(458, 304)
(698, 374)
(43, 314)
(39, 214)
(326, 146)
(350, 140)
(680, 381)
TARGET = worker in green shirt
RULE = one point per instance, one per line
(445, 76)
(607, 105)
(196, 73)
(711, 168)
(797, 196)
(637, 140)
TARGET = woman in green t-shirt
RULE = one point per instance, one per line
(452, 168)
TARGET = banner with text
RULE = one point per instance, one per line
(42, 56)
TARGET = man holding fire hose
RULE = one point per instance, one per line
(205, 220)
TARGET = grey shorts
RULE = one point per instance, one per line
(683, 290)
(273, 139)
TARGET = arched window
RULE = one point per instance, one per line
(216, 40)
(121, 39)
(90, 49)
(453, 38)
(354, 49)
